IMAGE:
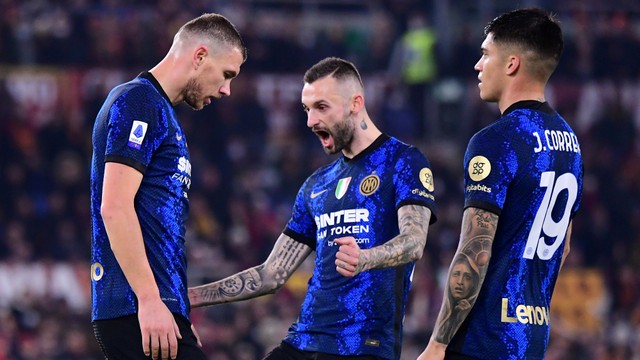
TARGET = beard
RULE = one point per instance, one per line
(192, 94)
(342, 134)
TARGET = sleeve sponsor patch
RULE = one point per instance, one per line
(138, 131)
(426, 178)
(479, 168)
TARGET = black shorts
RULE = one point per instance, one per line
(121, 338)
(285, 351)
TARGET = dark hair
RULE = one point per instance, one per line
(216, 27)
(336, 67)
(532, 29)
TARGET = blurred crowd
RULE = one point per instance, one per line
(251, 152)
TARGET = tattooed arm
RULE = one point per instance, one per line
(413, 221)
(474, 252)
(285, 258)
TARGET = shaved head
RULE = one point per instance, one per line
(212, 29)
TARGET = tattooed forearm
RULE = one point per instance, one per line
(413, 221)
(235, 287)
(285, 258)
(467, 271)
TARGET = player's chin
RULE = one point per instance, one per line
(329, 150)
(200, 104)
(328, 145)
(195, 105)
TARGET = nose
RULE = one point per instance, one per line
(225, 89)
(312, 120)
(477, 67)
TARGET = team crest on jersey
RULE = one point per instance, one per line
(97, 271)
(426, 178)
(341, 189)
(138, 131)
(479, 168)
(369, 184)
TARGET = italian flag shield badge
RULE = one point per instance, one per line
(341, 189)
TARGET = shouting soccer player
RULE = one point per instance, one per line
(366, 216)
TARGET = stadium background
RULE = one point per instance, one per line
(251, 152)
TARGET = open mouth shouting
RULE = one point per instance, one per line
(325, 138)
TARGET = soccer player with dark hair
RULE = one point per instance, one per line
(140, 175)
(366, 216)
(523, 183)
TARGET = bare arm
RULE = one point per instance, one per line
(478, 231)
(157, 324)
(287, 255)
(413, 221)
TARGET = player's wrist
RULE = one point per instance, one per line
(437, 345)
(148, 296)
(364, 260)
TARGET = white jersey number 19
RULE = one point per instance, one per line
(544, 224)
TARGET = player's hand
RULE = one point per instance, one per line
(160, 332)
(349, 260)
(434, 351)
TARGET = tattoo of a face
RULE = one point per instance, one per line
(467, 271)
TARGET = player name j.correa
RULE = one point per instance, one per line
(557, 141)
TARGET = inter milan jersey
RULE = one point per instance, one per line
(527, 168)
(357, 197)
(137, 126)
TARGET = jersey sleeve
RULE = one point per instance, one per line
(302, 227)
(136, 129)
(413, 181)
(490, 164)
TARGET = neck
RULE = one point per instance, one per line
(168, 74)
(527, 89)
(362, 138)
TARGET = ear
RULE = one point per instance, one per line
(357, 103)
(513, 64)
(199, 54)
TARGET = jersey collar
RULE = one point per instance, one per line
(529, 104)
(374, 145)
(152, 79)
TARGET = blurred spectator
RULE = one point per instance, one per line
(414, 65)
